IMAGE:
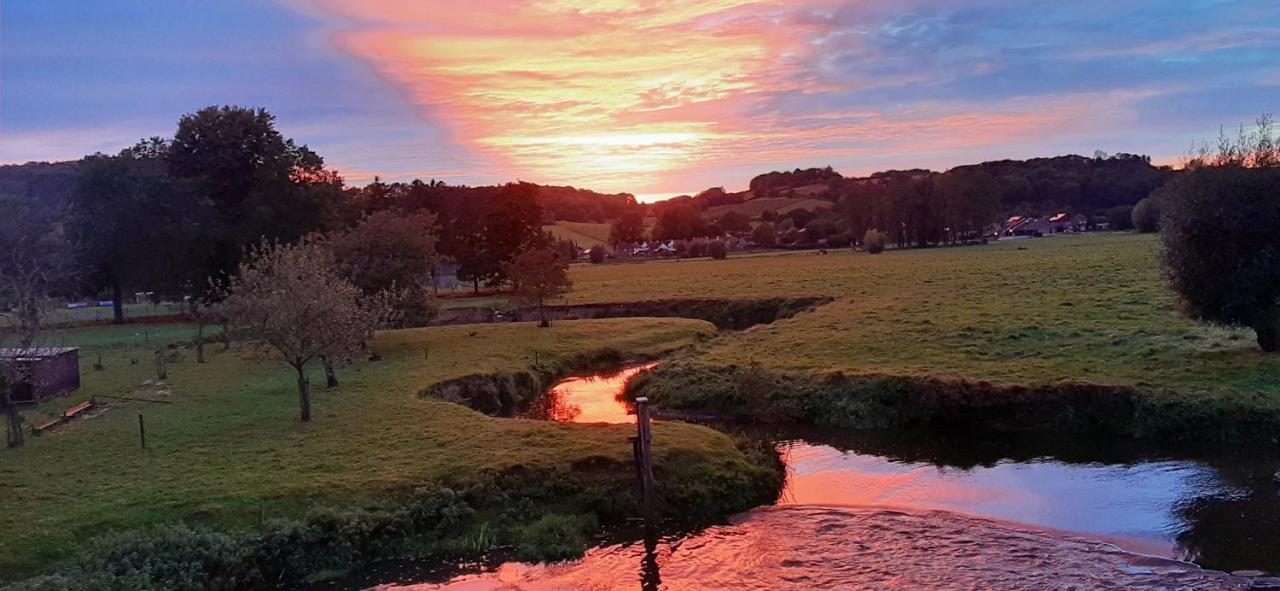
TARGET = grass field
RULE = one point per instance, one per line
(101, 313)
(1091, 307)
(229, 444)
(585, 234)
(779, 205)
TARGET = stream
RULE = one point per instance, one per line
(927, 510)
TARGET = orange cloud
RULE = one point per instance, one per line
(637, 95)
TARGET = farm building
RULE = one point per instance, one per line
(43, 372)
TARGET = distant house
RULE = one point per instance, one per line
(43, 372)
(1065, 222)
(1019, 226)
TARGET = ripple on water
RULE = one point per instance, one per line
(825, 548)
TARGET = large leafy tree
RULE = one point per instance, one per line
(139, 227)
(1221, 231)
(628, 228)
(487, 231)
(260, 183)
(389, 252)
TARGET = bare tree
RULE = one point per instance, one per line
(293, 298)
(35, 260)
(538, 275)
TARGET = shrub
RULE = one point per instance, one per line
(717, 250)
(764, 235)
(1146, 214)
(1120, 217)
(697, 248)
(839, 240)
(597, 254)
(554, 538)
(1222, 247)
(873, 242)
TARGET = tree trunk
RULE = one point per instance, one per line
(12, 418)
(117, 302)
(542, 315)
(1268, 329)
(226, 335)
(200, 342)
(304, 395)
(476, 286)
(330, 376)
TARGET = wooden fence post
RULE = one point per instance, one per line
(161, 374)
(142, 431)
(644, 447)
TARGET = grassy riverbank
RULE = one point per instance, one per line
(1092, 308)
(228, 453)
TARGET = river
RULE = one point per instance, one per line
(927, 510)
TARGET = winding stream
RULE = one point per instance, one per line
(914, 510)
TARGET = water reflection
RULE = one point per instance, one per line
(905, 509)
(588, 399)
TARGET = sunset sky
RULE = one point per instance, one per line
(652, 97)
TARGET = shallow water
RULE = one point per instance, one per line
(910, 510)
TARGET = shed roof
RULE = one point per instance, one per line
(34, 352)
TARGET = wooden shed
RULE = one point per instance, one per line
(43, 372)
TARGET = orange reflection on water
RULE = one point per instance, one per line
(590, 399)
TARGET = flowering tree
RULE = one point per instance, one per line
(294, 299)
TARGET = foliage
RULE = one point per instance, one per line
(680, 221)
(773, 183)
(1220, 233)
(1093, 307)
(764, 235)
(392, 253)
(598, 254)
(717, 250)
(487, 231)
(1146, 214)
(1120, 218)
(537, 275)
(555, 538)
(139, 227)
(734, 222)
(294, 299)
(259, 183)
(628, 228)
(873, 242)
(221, 454)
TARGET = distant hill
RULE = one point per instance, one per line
(51, 182)
(780, 205)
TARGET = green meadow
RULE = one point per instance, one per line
(225, 448)
(1090, 307)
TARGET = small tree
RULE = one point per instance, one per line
(628, 228)
(716, 249)
(873, 242)
(597, 254)
(1146, 215)
(36, 259)
(391, 252)
(538, 275)
(1221, 232)
(764, 235)
(293, 298)
(1120, 217)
